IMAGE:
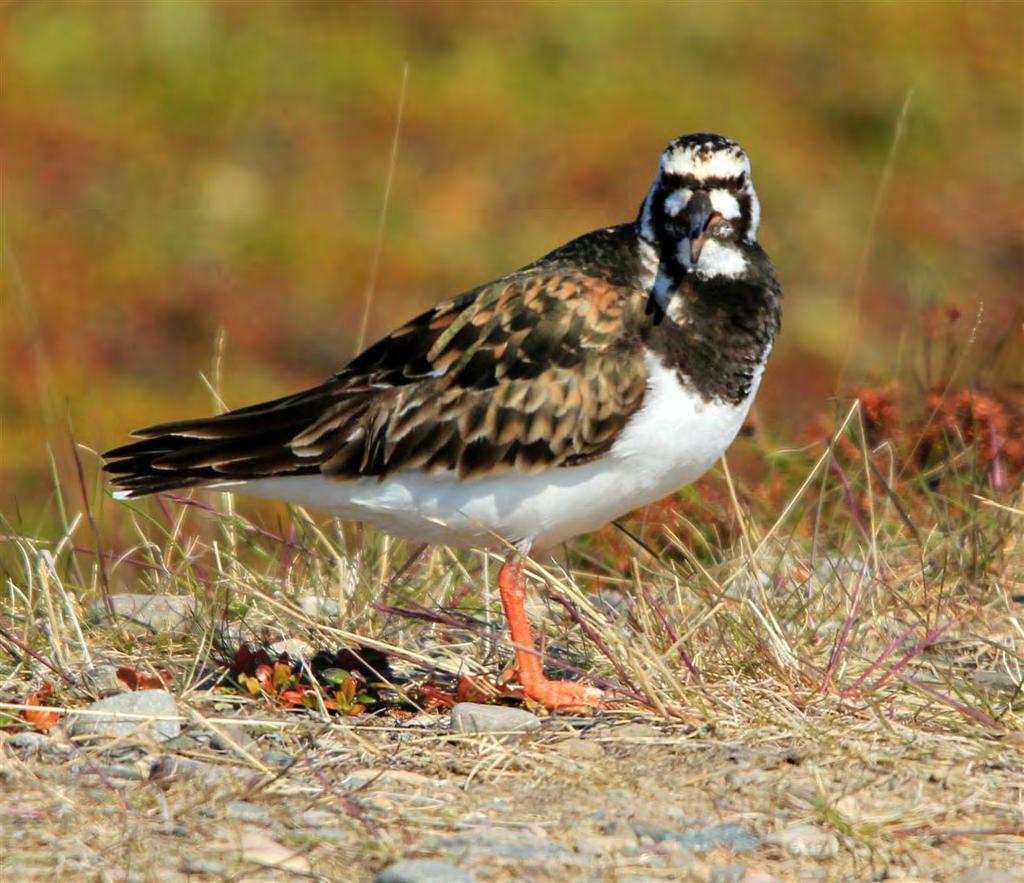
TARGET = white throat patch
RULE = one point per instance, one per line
(720, 259)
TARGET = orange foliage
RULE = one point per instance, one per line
(139, 680)
(991, 423)
(41, 720)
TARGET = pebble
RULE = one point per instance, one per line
(29, 742)
(520, 846)
(424, 871)
(226, 734)
(241, 811)
(277, 759)
(473, 718)
(729, 836)
(156, 613)
(207, 774)
(315, 818)
(806, 840)
(158, 703)
(102, 680)
(120, 771)
(186, 742)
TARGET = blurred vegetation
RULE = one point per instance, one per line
(174, 168)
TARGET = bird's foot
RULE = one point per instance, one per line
(568, 696)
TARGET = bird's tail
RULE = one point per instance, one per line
(239, 445)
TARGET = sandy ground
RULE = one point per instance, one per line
(615, 798)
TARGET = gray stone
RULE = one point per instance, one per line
(155, 613)
(277, 759)
(424, 871)
(701, 839)
(155, 703)
(806, 840)
(185, 743)
(520, 846)
(52, 747)
(102, 680)
(120, 771)
(241, 811)
(206, 774)
(29, 742)
(226, 734)
(470, 717)
(315, 818)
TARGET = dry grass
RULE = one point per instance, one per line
(853, 661)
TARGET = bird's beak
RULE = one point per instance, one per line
(701, 216)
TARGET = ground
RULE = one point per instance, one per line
(817, 679)
(607, 799)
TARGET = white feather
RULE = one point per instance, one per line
(694, 160)
(677, 201)
(720, 259)
(723, 202)
(669, 443)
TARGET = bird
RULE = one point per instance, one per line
(596, 380)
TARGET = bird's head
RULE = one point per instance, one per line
(701, 210)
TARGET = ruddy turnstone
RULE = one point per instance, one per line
(598, 379)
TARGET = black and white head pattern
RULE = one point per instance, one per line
(699, 215)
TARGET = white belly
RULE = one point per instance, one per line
(671, 441)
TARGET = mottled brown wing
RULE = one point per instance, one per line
(527, 373)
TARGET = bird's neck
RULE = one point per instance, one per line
(716, 326)
(665, 267)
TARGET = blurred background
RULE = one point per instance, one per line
(172, 169)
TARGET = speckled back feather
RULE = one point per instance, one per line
(527, 373)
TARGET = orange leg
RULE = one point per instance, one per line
(556, 695)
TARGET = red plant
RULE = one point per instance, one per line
(41, 720)
(139, 680)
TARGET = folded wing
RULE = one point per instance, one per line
(529, 373)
